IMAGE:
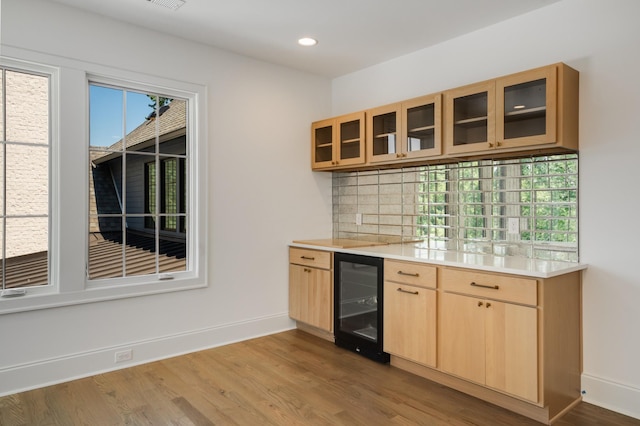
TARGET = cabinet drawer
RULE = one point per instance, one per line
(499, 287)
(306, 257)
(410, 273)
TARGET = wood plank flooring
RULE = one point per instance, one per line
(289, 378)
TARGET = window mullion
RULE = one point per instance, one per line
(158, 183)
(4, 180)
(123, 183)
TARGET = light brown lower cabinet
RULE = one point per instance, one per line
(491, 343)
(410, 323)
(510, 340)
(311, 289)
(410, 311)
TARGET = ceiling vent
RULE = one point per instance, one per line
(171, 4)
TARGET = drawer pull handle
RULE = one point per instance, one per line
(409, 274)
(492, 287)
(307, 258)
(307, 270)
(401, 290)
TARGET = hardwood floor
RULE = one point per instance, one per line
(290, 378)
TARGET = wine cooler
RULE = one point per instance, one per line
(358, 304)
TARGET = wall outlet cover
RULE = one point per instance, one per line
(513, 225)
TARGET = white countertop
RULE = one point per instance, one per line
(483, 262)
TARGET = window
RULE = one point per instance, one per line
(138, 182)
(24, 178)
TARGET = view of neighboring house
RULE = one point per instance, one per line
(146, 197)
(24, 171)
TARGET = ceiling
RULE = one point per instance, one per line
(351, 34)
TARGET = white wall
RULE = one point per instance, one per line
(262, 194)
(601, 40)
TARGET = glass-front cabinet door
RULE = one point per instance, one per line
(383, 133)
(526, 108)
(470, 118)
(422, 126)
(350, 139)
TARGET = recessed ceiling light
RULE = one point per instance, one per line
(171, 4)
(307, 41)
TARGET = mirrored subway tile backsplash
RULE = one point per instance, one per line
(520, 207)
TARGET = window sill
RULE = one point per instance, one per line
(47, 298)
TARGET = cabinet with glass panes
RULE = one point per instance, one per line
(405, 130)
(532, 109)
(338, 142)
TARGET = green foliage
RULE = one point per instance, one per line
(158, 101)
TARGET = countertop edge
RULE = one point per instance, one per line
(386, 252)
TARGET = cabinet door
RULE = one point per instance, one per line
(461, 341)
(351, 139)
(298, 292)
(512, 349)
(323, 144)
(410, 322)
(310, 296)
(422, 127)
(470, 118)
(526, 108)
(383, 134)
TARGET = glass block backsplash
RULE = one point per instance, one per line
(519, 207)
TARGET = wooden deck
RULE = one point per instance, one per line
(289, 378)
(105, 260)
(106, 254)
(26, 271)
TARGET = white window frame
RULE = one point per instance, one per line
(69, 193)
(52, 73)
(191, 198)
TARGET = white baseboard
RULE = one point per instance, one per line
(613, 396)
(23, 377)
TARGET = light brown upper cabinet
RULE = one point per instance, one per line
(532, 109)
(405, 130)
(506, 116)
(338, 142)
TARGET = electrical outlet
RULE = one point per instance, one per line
(123, 356)
(358, 219)
(513, 225)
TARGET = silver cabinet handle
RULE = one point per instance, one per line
(401, 290)
(409, 274)
(492, 287)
